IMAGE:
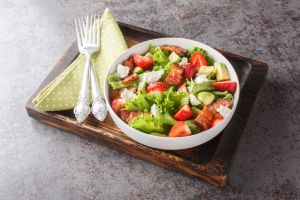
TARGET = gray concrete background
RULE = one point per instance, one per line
(41, 162)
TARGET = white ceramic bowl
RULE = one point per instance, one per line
(168, 143)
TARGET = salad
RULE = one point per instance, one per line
(172, 92)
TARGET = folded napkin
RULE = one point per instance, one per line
(62, 93)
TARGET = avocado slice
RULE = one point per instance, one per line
(194, 88)
(174, 57)
(222, 72)
(206, 97)
(208, 71)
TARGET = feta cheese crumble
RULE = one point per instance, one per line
(154, 110)
(194, 101)
(184, 61)
(150, 77)
(122, 71)
(223, 110)
(201, 78)
(127, 95)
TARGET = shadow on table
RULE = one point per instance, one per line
(267, 156)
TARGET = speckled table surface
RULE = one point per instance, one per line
(41, 162)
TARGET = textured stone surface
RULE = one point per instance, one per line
(40, 162)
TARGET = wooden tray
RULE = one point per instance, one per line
(210, 161)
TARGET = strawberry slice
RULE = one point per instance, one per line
(142, 61)
(183, 88)
(157, 87)
(198, 60)
(180, 129)
(185, 113)
(215, 120)
(190, 70)
(117, 105)
(229, 86)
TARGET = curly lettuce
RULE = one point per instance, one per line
(160, 57)
(141, 103)
(147, 123)
(168, 102)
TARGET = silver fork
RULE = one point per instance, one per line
(88, 39)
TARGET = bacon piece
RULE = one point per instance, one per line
(124, 115)
(175, 77)
(129, 63)
(173, 48)
(207, 113)
(127, 116)
(204, 118)
(130, 78)
(202, 122)
(225, 102)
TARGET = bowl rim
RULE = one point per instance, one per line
(193, 136)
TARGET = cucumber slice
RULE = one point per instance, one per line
(222, 94)
(138, 70)
(206, 97)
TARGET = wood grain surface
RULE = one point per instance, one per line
(210, 161)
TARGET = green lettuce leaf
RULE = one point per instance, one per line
(142, 103)
(171, 100)
(159, 57)
(113, 78)
(166, 119)
(147, 123)
(166, 68)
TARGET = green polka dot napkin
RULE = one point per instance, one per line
(62, 93)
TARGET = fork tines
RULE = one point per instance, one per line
(88, 30)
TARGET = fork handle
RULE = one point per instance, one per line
(99, 108)
(82, 108)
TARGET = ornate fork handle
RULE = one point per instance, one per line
(82, 108)
(99, 108)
